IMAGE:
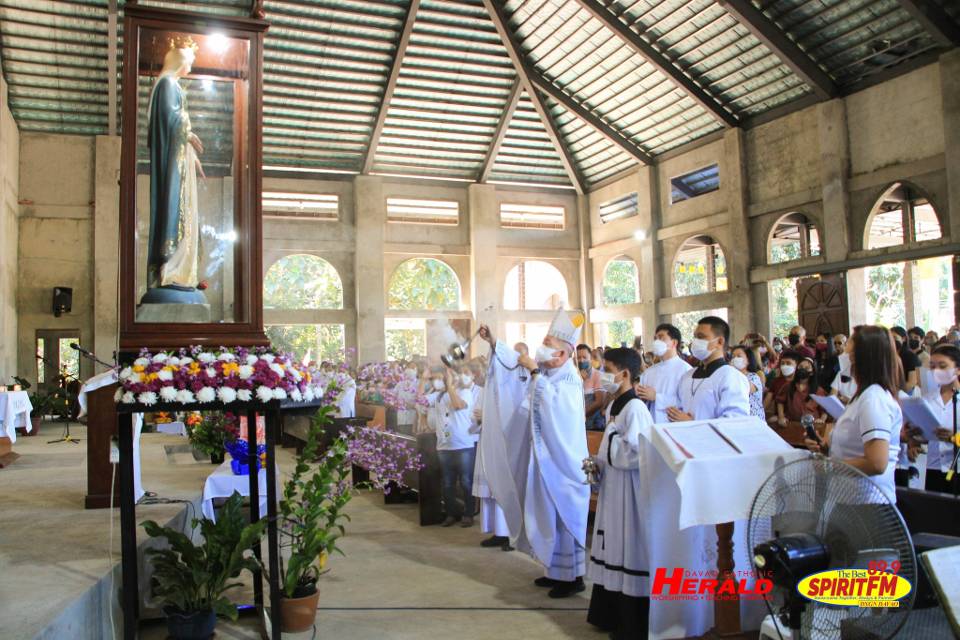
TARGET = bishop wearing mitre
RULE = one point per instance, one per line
(533, 448)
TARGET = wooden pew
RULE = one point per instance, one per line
(375, 414)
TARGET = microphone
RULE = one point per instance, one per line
(76, 347)
(807, 421)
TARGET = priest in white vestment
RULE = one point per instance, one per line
(618, 565)
(660, 384)
(533, 446)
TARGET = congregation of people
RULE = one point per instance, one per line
(511, 436)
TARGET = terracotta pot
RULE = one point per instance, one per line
(35, 420)
(298, 614)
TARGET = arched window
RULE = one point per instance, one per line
(700, 267)
(534, 285)
(621, 282)
(424, 284)
(301, 281)
(792, 238)
(901, 215)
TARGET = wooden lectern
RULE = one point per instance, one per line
(101, 427)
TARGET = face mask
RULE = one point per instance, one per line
(944, 377)
(584, 365)
(609, 383)
(803, 374)
(821, 346)
(659, 348)
(794, 339)
(787, 370)
(438, 385)
(544, 353)
(700, 348)
(914, 344)
(466, 380)
(778, 347)
(740, 363)
(844, 359)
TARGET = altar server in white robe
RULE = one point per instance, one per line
(660, 384)
(618, 566)
(713, 389)
(533, 451)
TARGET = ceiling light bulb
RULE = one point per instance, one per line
(640, 235)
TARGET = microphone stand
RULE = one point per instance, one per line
(91, 356)
(65, 436)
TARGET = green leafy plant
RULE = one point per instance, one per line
(210, 430)
(43, 403)
(189, 578)
(312, 508)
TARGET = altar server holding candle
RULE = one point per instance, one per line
(714, 389)
(618, 564)
(660, 384)
(533, 451)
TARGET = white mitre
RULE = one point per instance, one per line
(567, 326)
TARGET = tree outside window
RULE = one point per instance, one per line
(302, 281)
(423, 284)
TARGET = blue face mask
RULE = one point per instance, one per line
(584, 366)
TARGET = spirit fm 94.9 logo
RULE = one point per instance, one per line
(879, 585)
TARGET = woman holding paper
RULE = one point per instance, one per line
(944, 363)
(867, 435)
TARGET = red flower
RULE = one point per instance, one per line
(203, 284)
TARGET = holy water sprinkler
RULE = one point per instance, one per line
(457, 352)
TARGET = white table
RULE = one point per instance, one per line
(172, 428)
(222, 483)
(15, 409)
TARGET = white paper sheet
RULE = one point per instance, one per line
(830, 404)
(699, 440)
(752, 436)
(917, 412)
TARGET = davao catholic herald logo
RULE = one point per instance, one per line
(876, 586)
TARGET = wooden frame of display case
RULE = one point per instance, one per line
(247, 330)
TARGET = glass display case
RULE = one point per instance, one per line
(190, 180)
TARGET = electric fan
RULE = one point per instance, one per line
(818, 514)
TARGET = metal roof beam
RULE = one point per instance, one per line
(934, 20)
(405, 34)
(501, 133)
(786, 49)
(658, 60)
(530, 79)
(112, 68)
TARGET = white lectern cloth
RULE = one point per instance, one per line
(102, 380)
(222, 483)
(15, 411)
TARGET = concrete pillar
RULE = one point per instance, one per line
(651, 265)
(734, 184)
(484, 226)
(587, 294)
(950, 94)
(9, 240)
(106, 246)
(834, 171)
(909, 295)
(856, 300)
(371, 216)
(760, 293)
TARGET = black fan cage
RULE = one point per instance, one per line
(857, 523)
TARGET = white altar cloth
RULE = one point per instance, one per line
(102, 380)
(705, 484)
(173, 428)
(222, 483)
(15, 411)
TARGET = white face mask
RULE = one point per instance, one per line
(544, 353)
(740, 363)
(944, 377)
(844, 360)
(788, 370)
(466, 380)
(659, 348)
(438, 385)
(700, 348)
(609, 382)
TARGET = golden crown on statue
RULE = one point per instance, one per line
(183, 42)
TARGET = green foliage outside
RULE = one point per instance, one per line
(693, 279)
(620, 331)
(318, 341)
(886, 302)
(404, 344)
(783, 306)
(687, 322)
(784, 252)
(302, 282)
(423, 284)
(621, 283)
(69, 358)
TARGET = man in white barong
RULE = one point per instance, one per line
(533, 447)
(618, 567)
(660, 384)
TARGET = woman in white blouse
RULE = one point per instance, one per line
(867, 435)
(944, 363)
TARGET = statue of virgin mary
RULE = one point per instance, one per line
(173, 243)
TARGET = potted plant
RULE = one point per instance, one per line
(312, 517)
(191, 580)
(43, 404)
(210, 431)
